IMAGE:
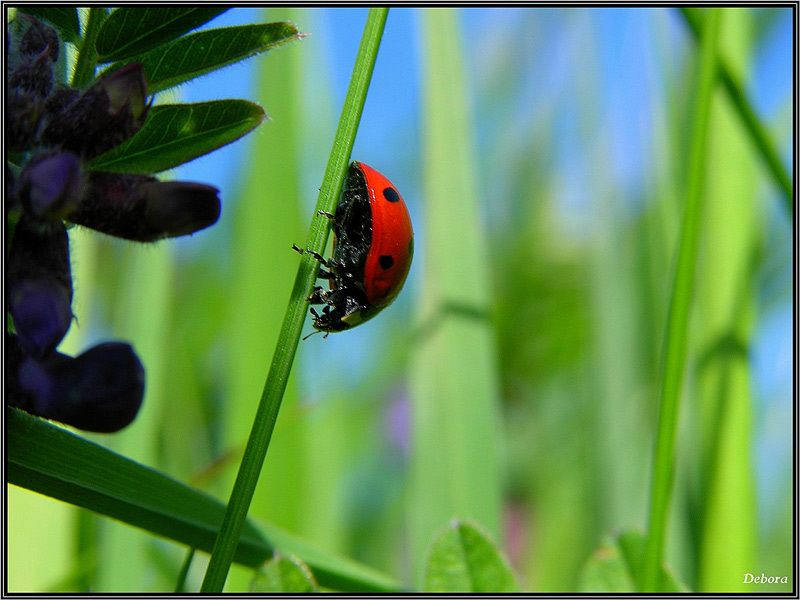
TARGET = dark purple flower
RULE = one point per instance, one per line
(34, 37)
(126, 88)
(51, 185)
(32, 74)
(141, 208)
(24, 112)
(178, 208)
(39, 285)
(102, 117)
(101, 390)
(41, 313)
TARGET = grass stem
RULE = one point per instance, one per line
(678, 316)
(289, 336)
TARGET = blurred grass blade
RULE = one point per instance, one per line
(205, 51)
(616, 564)
(758, 133)
(132, 30)
(724, 400)
(63, 18)
(54, 462)
(680, 301)
(177, 133)
(454, 387)
(465, 559)
(289, 336)
(51, 461)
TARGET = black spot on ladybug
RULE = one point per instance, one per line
(386, 262)
(391, 194)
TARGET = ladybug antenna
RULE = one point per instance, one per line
(313, 333)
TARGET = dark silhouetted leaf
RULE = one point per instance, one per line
(177, 133)
(199, 53)
(63, 18)
(133, 30)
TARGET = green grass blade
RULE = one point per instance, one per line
(454, 386)
(174, 134)
(724, 407)
(289, 336)
(132, 30)
(680, 300)
(758, 133)
(51, 461)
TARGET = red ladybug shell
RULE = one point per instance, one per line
(391, 249)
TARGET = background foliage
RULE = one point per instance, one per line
(547, 214)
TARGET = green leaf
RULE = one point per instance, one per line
(202, 52)
(54, 462)
(63, 18)
(616, 566)
(51, 461)
(284, 574)
(129, 31)
(177, 133)
(464, 559)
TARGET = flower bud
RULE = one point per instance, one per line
(24, 112)
(143, 209)
(51, 185)
(101, 390)
(177, 208)
(39, 285)
(32, 74)
(41, 313)
(14, 356)
(102, 117)
(126, 87)
(31, 36)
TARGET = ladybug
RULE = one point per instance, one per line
(373, 244)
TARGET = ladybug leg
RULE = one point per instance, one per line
(318, 296)
(316, 255)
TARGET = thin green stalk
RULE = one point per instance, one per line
(678, 318)
(180, 586)
(758, 133)
(86, 63)
(286, 347)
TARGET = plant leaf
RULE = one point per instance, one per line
(464, 559)
(202, 52)
(129, 31)
(51, 461)
(616, 566)
(177, 133)
(63, 18)
(284, 574)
